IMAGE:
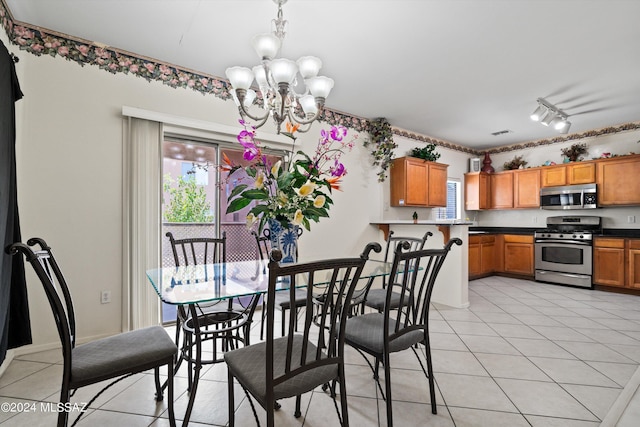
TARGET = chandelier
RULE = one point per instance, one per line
(277, 79)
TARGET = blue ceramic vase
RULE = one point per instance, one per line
(285, 239)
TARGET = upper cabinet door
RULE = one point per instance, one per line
(581, 173)
(415, 182)
(526, 189)
(618, 182)
(501, 190)
(553, 176)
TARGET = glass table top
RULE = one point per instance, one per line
(213, 282)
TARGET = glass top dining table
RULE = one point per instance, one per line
(197, 284)
(189, 286)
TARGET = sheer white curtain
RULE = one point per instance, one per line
(142, 198)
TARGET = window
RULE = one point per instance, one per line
(452, 211)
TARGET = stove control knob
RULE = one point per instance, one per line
(581, 236)
(561, 236)
(574, 236)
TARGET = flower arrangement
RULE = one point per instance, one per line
(381, 144)
(294, 193)
(516, 163)
(575, 151)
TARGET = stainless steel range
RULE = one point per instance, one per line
(564, 250)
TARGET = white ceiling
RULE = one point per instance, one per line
(456, 70)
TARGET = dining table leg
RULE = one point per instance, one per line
(197, 365)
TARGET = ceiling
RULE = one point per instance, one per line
(456, 70)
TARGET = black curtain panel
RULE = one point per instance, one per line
(14, 310)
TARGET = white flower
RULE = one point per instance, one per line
(297, 217)
(251, 219)
(306, 189)
(319, 201)
(275, 169)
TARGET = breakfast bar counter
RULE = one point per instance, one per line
(453, 286)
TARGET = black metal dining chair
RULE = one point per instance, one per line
(282, 300)
(379, 334)
(296, 363)
(226, 324)
(376, 297)
(112, 358)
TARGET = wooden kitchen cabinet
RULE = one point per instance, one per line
(618, 183)
(608, 261)
(481, 255)
(633, 263)
(415, 182)
(518, 254)
(568, 174)
(476, 191)
(616, 262)
(526, 188)
(501, 190)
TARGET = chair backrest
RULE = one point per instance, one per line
(262, 244)
(55, 286)
(415, 244)
(338, 278)
(415, 286)
(199, 250)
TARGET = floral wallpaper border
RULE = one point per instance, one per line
(40, 41)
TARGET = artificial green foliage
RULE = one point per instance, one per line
(188, 200)
(381, 145)
(515, 163)
(428, 153)
(575, 151)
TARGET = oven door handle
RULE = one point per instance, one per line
(577, 276)
(565, 242)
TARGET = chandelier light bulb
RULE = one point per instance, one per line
(240, 77)
(309, 66)
(266, 46)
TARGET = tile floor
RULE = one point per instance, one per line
(523, 354)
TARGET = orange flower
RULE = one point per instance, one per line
(291, 128)
(335, 182)
(228, 165)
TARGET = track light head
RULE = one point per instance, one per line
(549, 115)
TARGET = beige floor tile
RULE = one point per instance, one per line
(473, 392)
(594, 352)
(514, 331)
(48, 356)
(483, 344)
(108, 418)
(20, 369)
(456, 362)
(572, 372)
(508, 366)
(471, 328)
(535, 347)
(538, 421)
(37, 386)
(596, 399)
(621, 373)
(441, 341)
(501, 317)
(465, 417)
(561, 333)
(542, 398)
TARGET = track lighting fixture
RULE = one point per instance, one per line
(550, 115)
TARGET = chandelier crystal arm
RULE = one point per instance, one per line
(241, 93)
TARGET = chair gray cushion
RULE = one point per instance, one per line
(121, 354)
(283, 301)
(377, 297)
(366, 331)
(248, 365)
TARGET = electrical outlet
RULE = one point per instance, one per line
(105, 297)
(631, 219)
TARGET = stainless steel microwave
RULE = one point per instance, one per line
(569, 197)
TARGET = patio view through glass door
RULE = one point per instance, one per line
(194, 201)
